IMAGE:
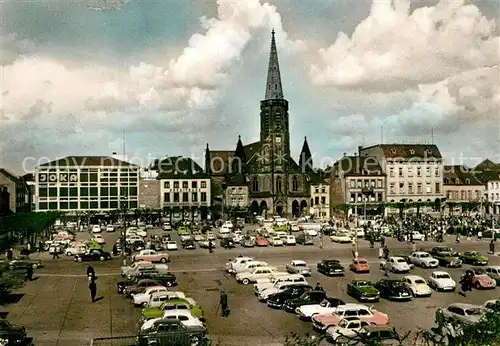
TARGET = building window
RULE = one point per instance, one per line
(167, 185)
(185, 197)
(379, 197)
(203, 196)
(438, 188)
(467, 181)
(316, 190)
(419, 188)
(419, 171)
(194, 184)
(410, 172)
(278, 184)
(401, 188)
(353, 183)
(203, 184)
(410, 188)
(372, 183)
(436, 171)
(316, 200)
(428, 188)
(295, 184)
(353, 197)
(359, 182)
(194, 197)
(400, 171)
(176, 197)
(255, 184)
(323, 200)
(462, 195)
(166, 197)
(392, 188)
(391, 172)
(176, 184)
(379, 183)
(185, 185)
(427, 171)
(323, 190)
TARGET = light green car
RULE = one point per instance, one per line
(172, 304)
(182, 230)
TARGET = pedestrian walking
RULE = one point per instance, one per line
(40, 246)
(93, 290)
(29, 273)
(318, 287)
(210, 246)
(382, 241)
(440, 320)
(224, 304)
(492, 246)
(386, 252)
(55, 254)
(90, 273)
(479, 235)
(380, 252)
(457, 239)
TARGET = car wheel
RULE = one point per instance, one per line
(145, 304)
(477, 285)
(245, 281)
(11, 267)
(69, 254)
(35, 265)
(79, 259)
(194, 340)
(163, 260)
(102, 258)
(168, 284)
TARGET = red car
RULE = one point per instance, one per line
(360, 265)
(261, 241)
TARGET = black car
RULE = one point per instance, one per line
(304, 239)
(446, 257)
(188, 244)
(277, 300)
(14, 334)
(173, 333)
(393, 289)
(307, 298)
(93, 255)
(165, 279)
(330, 267)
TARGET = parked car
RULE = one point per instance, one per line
(15, 335)
(248, 241)
(423, 259)
(151, 256)
(347, 329)
(23, 262)
(110, 228)
(252, 276)
(166, 226)
(171, 245)
(446, 257)
(341, 237)
(393, 289)
(277, 300)
(96, 229)
(480, 279)
(205, 244)
(188, 244)
(464, 313)
(442, 281)
(171, 304)
(142, 298)
(304, 239)
(395, 265)
(176, 332)
(298, 267)
(237, 262)
(226, 243)
(376, 335)
(359, 265)
(417, 285)
(290, 240)
(98, 239)
(261, 241)
(307, 298)
(75, 249)
(275, 241)
(263, 284)
(249, 266)
(494, 273)
(93, 255)
(474, 258)
(363, 290)
(280, 286)
(364, 313)
(143, 269)
(158, 298)
(326, 306)
(330, 267)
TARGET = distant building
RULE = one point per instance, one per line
(488, 173)
(414, 171)
(355, 180)
(19, 197)
(237, 192)
(149, 194)
(4, 201)
(30, 181)
(184, 187)
(87, 183)
(320, 196)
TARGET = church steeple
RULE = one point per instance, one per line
(305, 159)
(208, 161)
(274, 89)
(240, 160)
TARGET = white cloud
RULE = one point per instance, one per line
(394, 48)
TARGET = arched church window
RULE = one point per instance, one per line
(255, 184)
(278, 184)
(295, 184)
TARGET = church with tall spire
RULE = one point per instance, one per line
(269, 180)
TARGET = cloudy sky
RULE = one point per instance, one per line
(175, 75)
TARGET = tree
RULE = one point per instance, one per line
(9, 281)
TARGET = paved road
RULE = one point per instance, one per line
(56, 308)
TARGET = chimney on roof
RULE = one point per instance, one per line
(345, 154)
(359, 149)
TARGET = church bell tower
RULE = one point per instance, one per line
(274, 126)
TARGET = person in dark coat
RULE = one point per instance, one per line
(10, 254)
(386, 252)
(210, 246)
(318, 287)
(492, 246)
(93, 290)
(29, 273)
(223, 304)
(115, 250)
(91, 272)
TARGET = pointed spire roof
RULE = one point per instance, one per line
(305, 159)
(274, 89)
(240, 151)
(208, 161)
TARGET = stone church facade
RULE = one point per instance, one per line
(276, 183)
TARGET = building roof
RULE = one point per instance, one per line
(407, 151)
(359, 165)
(459, 175)
(487, 175)
(11, 176)
(178, 167)
(487, 165)
(237, 180)
(87, 161)
(274, 89)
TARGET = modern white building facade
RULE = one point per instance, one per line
(86, 183)
(320, 200)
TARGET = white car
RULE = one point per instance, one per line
(142, 299)
(341, 237)
(110, 228)
(423, 259)
(264, 284)
(172, 245)
(276, 241)
(347, 328)
(233, 264)
(289, 240)
(311, 232)
(185, 237)
(75, 250)
(252, 276)
(135, 231)
(360, 232)
(417, 286)
(184, 316)
(249, 266)
(158, 298)
(211, 235)
(98, 239)
(277, 288)
(327, 306)
(133, 238)
(417, 236)
(298, 267)
(96, 229)
(166, 227)
(442, 281)
(396, 265)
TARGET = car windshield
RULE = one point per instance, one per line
(474, 312)
(445, 249)
(363, 283)
(424, 255)
(300, 264)
(442, 276)
(419, 282)
(330, 262)
(400, 260)
(479, 271)
(474, 253)
(343, 323)
(397, 283)
(361, 262)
